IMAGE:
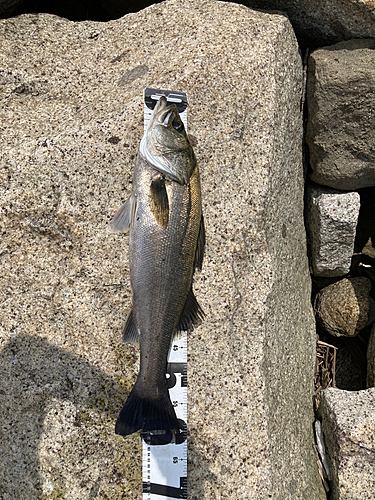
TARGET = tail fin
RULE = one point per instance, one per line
(147, 414)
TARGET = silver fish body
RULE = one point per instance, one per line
(166, 243)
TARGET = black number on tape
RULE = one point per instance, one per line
(168, 491)
(172, 369)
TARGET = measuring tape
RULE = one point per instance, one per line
(164, 467)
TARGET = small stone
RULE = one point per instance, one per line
(348, 422)
(332, 220)
(341, 126)
(342, 308)
(371, 358)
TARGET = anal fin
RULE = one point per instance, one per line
(191, 316)
(130, 334)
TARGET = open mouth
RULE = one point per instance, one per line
(164, 111)
(166, 118)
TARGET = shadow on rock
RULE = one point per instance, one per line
(33, 374)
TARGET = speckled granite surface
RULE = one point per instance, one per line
(348, 422)
(71, 120)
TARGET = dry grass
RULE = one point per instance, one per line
(325, 368)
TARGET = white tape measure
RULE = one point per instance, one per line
(164, 467)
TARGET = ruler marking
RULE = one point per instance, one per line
(168, 491)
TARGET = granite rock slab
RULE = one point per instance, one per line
(341, 123)
(332, 218)
(348, 422)
(71, 122)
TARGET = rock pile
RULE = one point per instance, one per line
(340, 201)
(340, 220)
(71, 120)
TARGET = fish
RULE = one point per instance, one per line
(166, 245)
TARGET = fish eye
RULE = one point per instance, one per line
(178, 125)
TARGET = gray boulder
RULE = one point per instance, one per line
(321, 22)
(342, 308)
(72, 119)
(332, 218)
(348, 422)
(341, 124)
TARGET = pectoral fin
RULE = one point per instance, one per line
(159, 201)
(130, 334)
(191, 316)
(199, 253)
(124, 217)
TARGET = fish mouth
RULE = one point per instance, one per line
(163, 111)
(166, 118)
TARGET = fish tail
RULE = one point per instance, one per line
(147, 414)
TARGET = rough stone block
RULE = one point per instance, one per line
(341, 124)
(348, 422)
(332, 218)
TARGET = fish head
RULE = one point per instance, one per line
(165, 144)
